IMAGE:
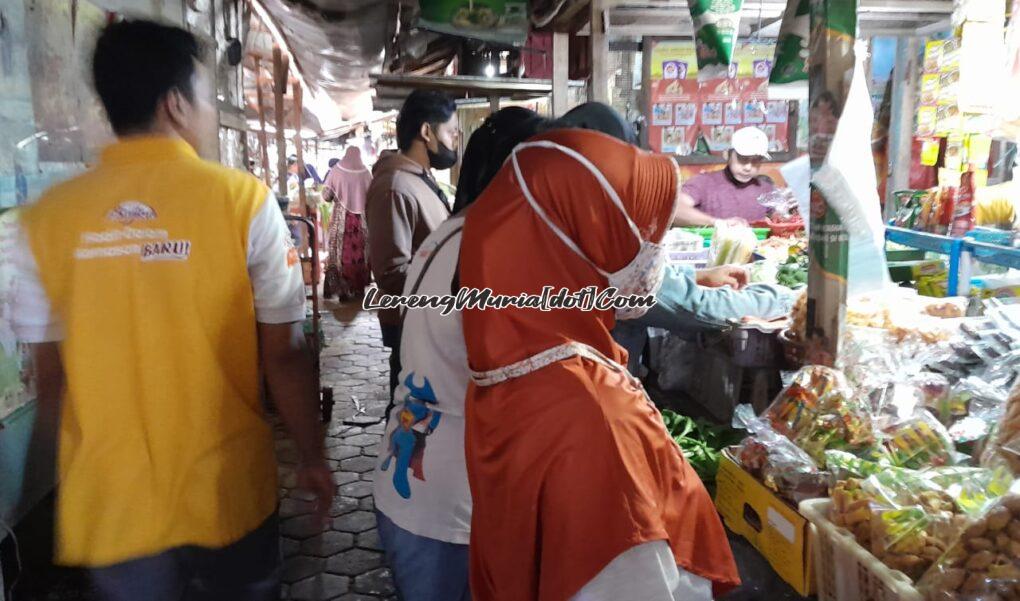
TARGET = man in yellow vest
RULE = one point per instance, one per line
(151, 286)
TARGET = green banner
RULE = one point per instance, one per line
(833, 25)
(501, 21)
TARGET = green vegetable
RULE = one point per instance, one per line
(793, 273)
(700, 441)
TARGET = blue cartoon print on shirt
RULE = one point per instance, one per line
(407, 444)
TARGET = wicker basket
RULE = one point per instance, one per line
(847, 571)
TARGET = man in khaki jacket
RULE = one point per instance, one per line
(405, 204)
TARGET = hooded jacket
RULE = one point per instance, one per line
(402, 208)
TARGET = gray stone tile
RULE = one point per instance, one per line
(300, 567)
(368, 476)
(346, 451)
(343, 478)
(289, 547)
(354, 562)
(357, 490)
(294, 507)
(358, 464)
(379, 428)
(356, 597)
(367, 503)
(355, 522)
(302, 495)
(332, 441)
(328, 544)
(342, 505)
(321, 587)
(302, 527)
(377, 582)
(369, 540)
(363, 440)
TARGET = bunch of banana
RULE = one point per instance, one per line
(994, 206)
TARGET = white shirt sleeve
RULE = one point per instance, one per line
(32, 317)
(273, 266)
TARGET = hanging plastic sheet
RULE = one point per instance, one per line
(847, 180)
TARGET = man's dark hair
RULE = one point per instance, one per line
(136, 64)
(333, 162)
(421, 107)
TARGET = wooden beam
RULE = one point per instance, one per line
(560, 73)
(279, 89)
(598, 87)
(263, 139)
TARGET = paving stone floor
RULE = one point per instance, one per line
(342, 561)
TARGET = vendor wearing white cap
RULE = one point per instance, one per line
(732, 192)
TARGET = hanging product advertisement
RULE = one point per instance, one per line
(792, 45)
(716, 25)
(501, 21)
(682, 109)
(834, 23)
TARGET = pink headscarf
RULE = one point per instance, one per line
(349, 180)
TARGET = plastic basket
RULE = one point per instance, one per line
(751, 347)
(846, 571)
(707, 232)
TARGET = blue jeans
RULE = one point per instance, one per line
(248, 570)
(424, 569)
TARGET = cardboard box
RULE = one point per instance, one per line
(770, 524)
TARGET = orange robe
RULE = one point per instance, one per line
(570, 465)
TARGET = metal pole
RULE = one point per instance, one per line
(308, 211)
(833, 32)
(279, 89)
(263, 138)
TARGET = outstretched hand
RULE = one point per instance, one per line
(733, 276)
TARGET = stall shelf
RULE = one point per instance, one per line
(962, 253)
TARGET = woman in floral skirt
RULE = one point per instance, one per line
(347, 272)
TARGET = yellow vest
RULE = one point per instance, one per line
(163, 441)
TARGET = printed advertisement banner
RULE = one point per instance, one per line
(681, 109)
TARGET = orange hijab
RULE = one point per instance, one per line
(570, 465)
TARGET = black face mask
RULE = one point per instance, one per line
(444, 158)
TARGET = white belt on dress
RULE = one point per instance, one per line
(546, 358)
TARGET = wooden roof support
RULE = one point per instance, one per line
(263, 139)
(280, 66)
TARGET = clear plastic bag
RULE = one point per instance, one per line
(820, 411)
(1004, 447)
(732, 244)
(919, 442)
(780, 464)
(983, 563)
(780, 203)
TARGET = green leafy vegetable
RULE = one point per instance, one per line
(700, 441)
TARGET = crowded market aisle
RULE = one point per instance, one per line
(343, 560)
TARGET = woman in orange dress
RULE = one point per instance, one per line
(579, 492)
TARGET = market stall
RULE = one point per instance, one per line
(886, 466)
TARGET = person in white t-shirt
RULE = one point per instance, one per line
(422, 497)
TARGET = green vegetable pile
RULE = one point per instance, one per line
(793, 273)
(700, 441)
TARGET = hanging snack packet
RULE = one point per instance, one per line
(716, 25)
(792, 45)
